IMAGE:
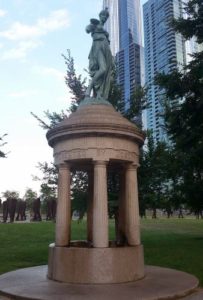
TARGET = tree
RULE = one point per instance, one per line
(49, 180)
(2, 153)
(79, 195)
(184, 107)
(29, 197)
(192, 26)
(10, 194)
(74, 82)
(153, 177)
(137, 103)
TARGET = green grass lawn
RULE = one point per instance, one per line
(169, 243)
(175, 244)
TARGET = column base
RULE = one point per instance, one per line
(95, 265)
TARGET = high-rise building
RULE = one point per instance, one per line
(124, 27)
(112, 24)
(164, 51)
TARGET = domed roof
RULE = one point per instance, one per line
(97, 120)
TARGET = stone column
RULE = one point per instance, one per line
(90, 206)
(120, 238)
(100, 212)
(132, 227)
(63, 216)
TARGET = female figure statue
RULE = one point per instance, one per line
(100, 58)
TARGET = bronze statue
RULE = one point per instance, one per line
(100, 58)
(51, 209)
(9, 208)
(21, 210)
(5, 211)
(36, 209)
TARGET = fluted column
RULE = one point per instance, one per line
(63, 216)
(100, 212)
(132, 223)
(90, 206)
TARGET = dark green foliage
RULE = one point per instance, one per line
(10, 194)
(137, 103)
(79, 193)
(193, 25)
(184, 109)
(29, 197)
(54, 118)
(49, 180)
(75, 82)
(113, 186)
(115, 93)
(184, 119)
(153, 176)
(50, 174)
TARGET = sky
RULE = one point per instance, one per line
(33, 35)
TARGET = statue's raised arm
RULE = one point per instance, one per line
(100, 58)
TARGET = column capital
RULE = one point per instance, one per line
(100, 162)
(131, 166)
(64, 165)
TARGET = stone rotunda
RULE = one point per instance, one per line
(97, 139)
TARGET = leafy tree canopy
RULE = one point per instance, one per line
(184, 106)
(193, 24)
(10, 194)
(49, 180)
(29, 196)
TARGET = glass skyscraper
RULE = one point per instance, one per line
(164, 51)
(112, 25)
(124, 27)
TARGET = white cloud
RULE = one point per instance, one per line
(56, 20)
(22, 94)
(2, 13)
(50, 72)
(19, 31)
(20, 51)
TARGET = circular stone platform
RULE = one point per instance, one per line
(159, 283)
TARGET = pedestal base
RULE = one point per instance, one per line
(158, 283)
(95, 265)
